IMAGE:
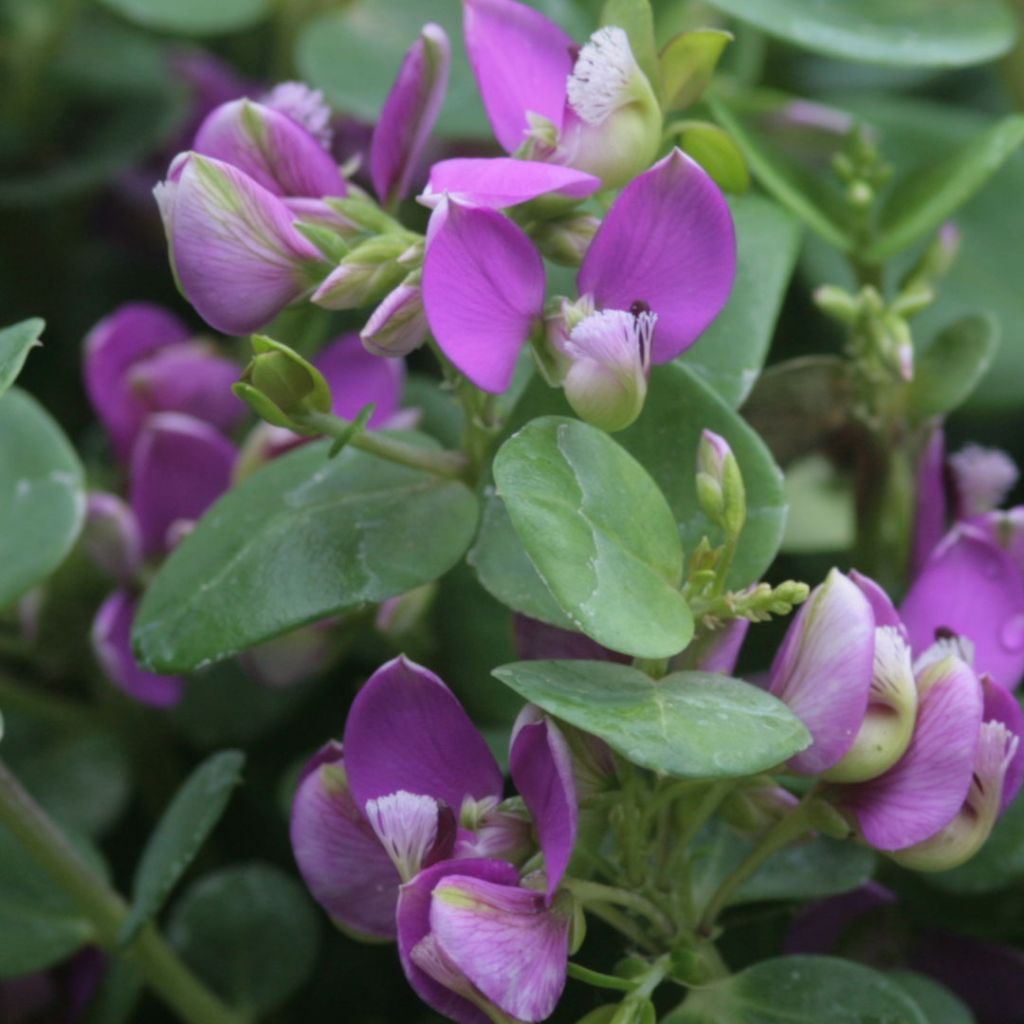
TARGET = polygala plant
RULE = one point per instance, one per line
(463, 424)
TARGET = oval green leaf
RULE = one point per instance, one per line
(181, 831)
(950, 368)
(192, 17)
(692, 724)
(901, 32)
(42, 496)
(925, 198)
(599, 533)
(250, 933)
(302, 539)
(801, 990)
(935, 1001)
(15, 342)
(731, 352)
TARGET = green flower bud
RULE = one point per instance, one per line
(366, 275)
(280, 386)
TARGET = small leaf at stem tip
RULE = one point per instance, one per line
(15, 343)
(357, 426)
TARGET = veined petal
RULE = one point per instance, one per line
(271, 148)
(483, 290)
(188, 377)
(521, 61)
(179, 467)
(412, 829)
(511, 945)
(972, 587)
(341, 860)
(881, 604)
(823, 670)
(357, 377)
(667, 245)
(407, 731)
(499, 182)
(112, 347)
(926, 788)
(540, 763)
(238, 257)
(414, 905)
(398, 325)
(112, 644)
(1002, 706)
(409, 114)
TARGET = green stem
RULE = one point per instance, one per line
(621, 923)
(105, 909)
(784, 831)
(599, 980)
(595, 892)
(706, 806)
(451, 465)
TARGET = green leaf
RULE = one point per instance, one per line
(811, 869)
(301, 539)
(935, 1001)
(42, 497)
(688, 62)
(948, 370)
(801, 990)
(912, 132)
(192, 17)
(821, 507)
(692, 724)
(716, 152)
(636, 17)
(39, 924)
(801, 191)
(599, 533)
(900, 32)
(250, 933)
(731, 352)
(181, 831)
(921, 201)
(15, 342)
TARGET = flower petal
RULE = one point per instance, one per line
(407, 731)
(111, 537)
(179, 467)
(881, 604)
(111, 348)
(972, 587)
(823, 670)
(537, 641)
(498, 182)
(521, 61)
(506, 940)
(483, 289)
(668, 243)
(414, 905)
(271, 148)
(238, 257)
(357, 377)
(340, 859)
(540, 763)
(926, 788)
(723, 648)
(112, 644)
(409, 113)
(1002, 706)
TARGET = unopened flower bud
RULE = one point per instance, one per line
(720, 487)
(365, 275)
(565, 241)
(280, 386)
(610, 358)
(888, 724)
(837, 303)
(398, 325)
(617, 126)
(398, 616)
(111, 537)
(982, 478)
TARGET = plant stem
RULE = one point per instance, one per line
(155, 959)
(783, 832)
(599, 980)
(451, 465)
(706, 806)
(591, 892)
(622, 924)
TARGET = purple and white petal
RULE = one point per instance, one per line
(111, 537)
(483, 291)
(881, 604)
(340, 858)
(407, 731)
(499, 182)
(1002, 706)
(668, 246)
(540, 763)
(111, 638)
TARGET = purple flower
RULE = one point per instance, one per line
(179, 467)
(418, 796)
(409, 114)
(501, 182)
(982, 479)
(142, 359)
(659, 270)
(591, 108)
(233, 247)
